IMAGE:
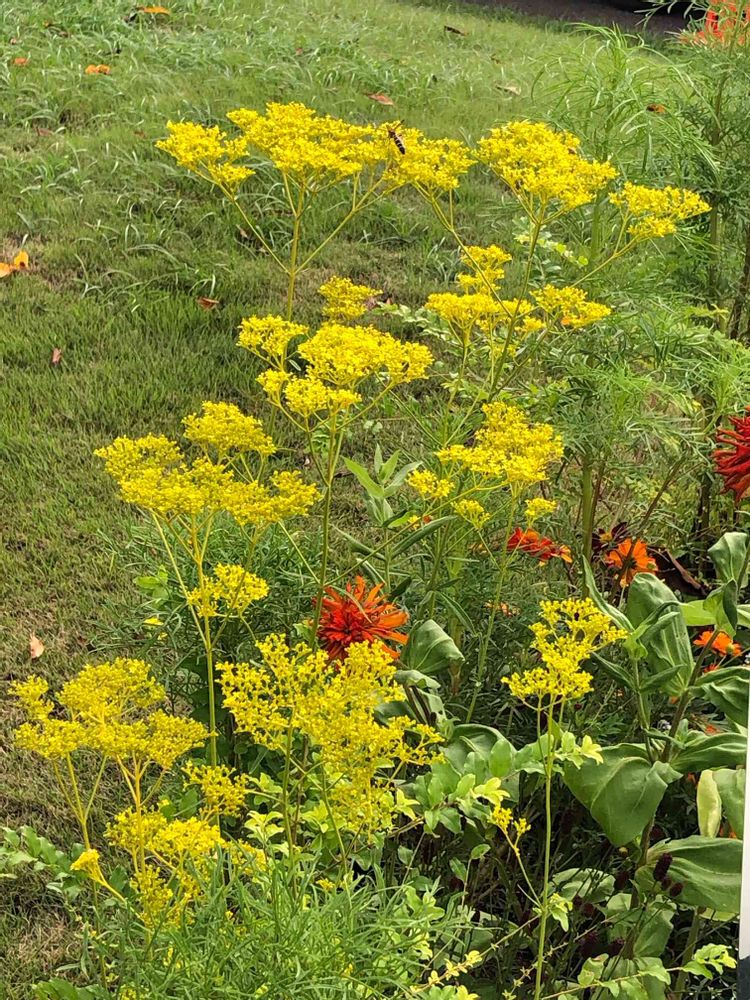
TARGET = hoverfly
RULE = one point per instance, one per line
(393, 135)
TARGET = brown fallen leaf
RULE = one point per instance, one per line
(20, 61)
(15, 41)
(94, 70)
(454, 31)
(299, 52)
(380, 98)
(510, 88)
(56, 356)
(139, 133)
(36, 647)
(40, 130)
(206, 303)
(658, 109)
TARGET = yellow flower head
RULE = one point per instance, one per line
(230, 592)
(111, 691)
(541, 166)
(486, 267)
(430, 486)
(432, 166)
(309, 397)
(507, 447)
(473, 512)
(314, 150)
(223, 793)
(539, 507)
(464, 313)
(346, 355)
(346, 301)
(655, 212)
(208, 153)
(567, 634)
(225, 427)
(88, 862)
(269, 336)
(31, 693)
(571, 307)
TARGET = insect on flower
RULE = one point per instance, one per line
(395, 138)
(359, 615)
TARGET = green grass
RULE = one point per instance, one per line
(122, 243)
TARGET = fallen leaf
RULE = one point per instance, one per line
(154, 10)
(510, 88)
(206, 303)
(381, 99)
(36, 647)
(454, 31)
(40, 130)
(20, 263)
(15, 41)
(299, 52)
(20, 61)
(140, 133)
(658, 109)
(93, 70)
(56, 356)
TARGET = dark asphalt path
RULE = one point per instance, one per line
(592, 12)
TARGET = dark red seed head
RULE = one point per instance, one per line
(662, 867)
(616, 946)
(676, 889)
(622, 878)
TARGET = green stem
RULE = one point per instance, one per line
(549, 763)
(688, 953)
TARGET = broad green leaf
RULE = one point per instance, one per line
(430, 649)
(709, 870)
(721, 605)
(608, 609)
(666, 641)
(728, 689)
(708, 802)
(625, 978)
(700, 752)
(729, 556)
(589, 883)
(652, 927)
(623, 792)
(731, 785)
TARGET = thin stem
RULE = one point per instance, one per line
(548, 767)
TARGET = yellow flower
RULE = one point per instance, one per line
(571, 306)
(429, 486)
(88, 862)
(345, 300)
(223, 793)
(473, 512)
(507, 447)
(566, 636)
(486, 267)
(106, 691)
(541, 166)
(430, 165)
(464, 313)
(313, 150)
(309, 396)
(31, 693)
(655, 212)
(225, 427)
(208, 153)
(230, 592)
(539, 507)
(269, 336)
(346, 355)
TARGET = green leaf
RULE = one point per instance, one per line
(721, 605)
(700, 752)
(667, 643)
(430, 649)
(416, 679)
(731, 785)
(608, 609)
(711, 960)
(623, 792)
(589, 883)
(729, 556)
(487, 743)
(727, 688)
(709, 869)
(708, 802)
(626, 978)
(650, 928)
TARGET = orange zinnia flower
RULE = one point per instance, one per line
(722, 643)
(720, 25)
(630, 557)
(539, 546)
(733, 461)
(359, 615)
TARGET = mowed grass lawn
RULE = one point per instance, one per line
(122, 244)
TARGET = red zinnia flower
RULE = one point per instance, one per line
(359, 615)
(733, 461)
(720, 25)
(631, 557)
(722, 643)
(539, 546)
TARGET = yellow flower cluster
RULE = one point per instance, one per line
(539, 507)
(230, 592)
(313, 150)
(153, 473)
(296, 689)
(309, 396)
(208, 153)
(429, 486)
(567, 634)
(223, 793)
(346, 301)
(655, 212)
(473, 512)
(570, 306)
(226, 428)
(109, 708)
(430, 165)
(486, 267)
(507, 447)
(269, 336)
(513, 829)
(464, 313)
(346, 355)
(542, 166)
